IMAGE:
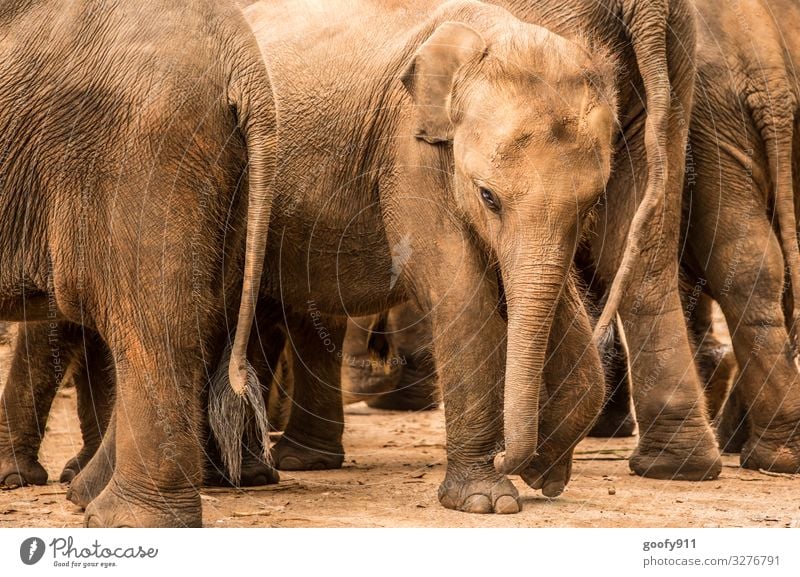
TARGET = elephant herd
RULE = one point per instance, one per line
(213, 212)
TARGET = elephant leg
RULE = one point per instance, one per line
(616, 420)
(40, 361)
(417, 388)
(732, 237)
(368, 375)
(313, 435)
(732, 424)
(93, 376)
(469, 344)
(675, 437)
(715, 359)
(746, 275)
(93, 478)
(279, 402)
(158, 455)
(573, 399)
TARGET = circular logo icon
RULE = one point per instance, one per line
(31, 551)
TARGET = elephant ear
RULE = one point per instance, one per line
(430, 74)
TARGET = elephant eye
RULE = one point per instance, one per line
(489, 199)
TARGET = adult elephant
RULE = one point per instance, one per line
(397, 183)
(127, 128)
(741, 203)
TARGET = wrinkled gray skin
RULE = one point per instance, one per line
(741, 237)
(127, 128)
(385, 143)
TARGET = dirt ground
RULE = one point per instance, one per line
(394, 464)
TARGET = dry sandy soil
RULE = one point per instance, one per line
(395, 462)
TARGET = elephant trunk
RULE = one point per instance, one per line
(533, 285)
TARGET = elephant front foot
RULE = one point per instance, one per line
(613, 425)
(290, 455)
(776, 449)
(695, 458)
(21, 470)
(495, 494)
(551, 477)
(120, 507)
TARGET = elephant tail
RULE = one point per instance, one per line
(648, 23)
(773, 113)
(241, 399)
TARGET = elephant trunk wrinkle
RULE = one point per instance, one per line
(532, 292)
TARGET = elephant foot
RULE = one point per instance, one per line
(117, 507)
(613, 425)
(21, 471)
(693, 459)
(288, 455)
(733, 428)
(551, 478)
(75, 465)
(495, 494)
(771, 451)
(90, 482)
(254, 474)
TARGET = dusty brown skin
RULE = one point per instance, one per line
(446, 175)
(127, 131)
(653, 41)
(742, 228)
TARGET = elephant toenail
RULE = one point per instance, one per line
(13, 481)
(477, 504)
(506, 505)
(553, 489)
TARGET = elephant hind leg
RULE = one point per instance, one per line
(93, 376)
(417, 387)
(616, 419)
(574, 396)
(745, 271)
(42, 356)
(313, 435)
(90, 481)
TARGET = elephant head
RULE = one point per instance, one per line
(530, 117)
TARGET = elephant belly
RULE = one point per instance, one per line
(338, 269)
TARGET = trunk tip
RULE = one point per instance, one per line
(506, 465)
